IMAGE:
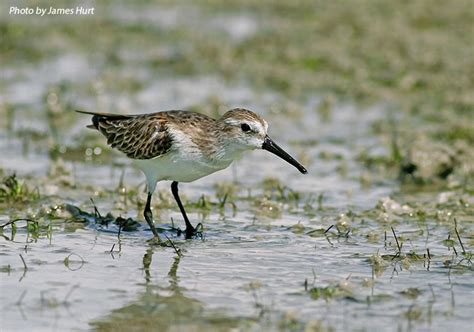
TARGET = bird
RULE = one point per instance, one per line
(183, 146)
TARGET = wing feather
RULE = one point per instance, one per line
(138, 136)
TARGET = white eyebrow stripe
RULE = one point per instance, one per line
(233, 122)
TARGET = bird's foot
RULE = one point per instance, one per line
(191, 232)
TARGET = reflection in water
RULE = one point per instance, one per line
(172, 275)
(146, 264)
(164, 307)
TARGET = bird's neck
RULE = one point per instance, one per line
(226, 149)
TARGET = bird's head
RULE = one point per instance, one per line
(245, 130)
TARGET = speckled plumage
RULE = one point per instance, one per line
(147, 136)
(142, 136)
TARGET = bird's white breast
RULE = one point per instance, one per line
(185, 162)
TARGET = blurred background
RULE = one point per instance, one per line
(375, 97)
(413, 60)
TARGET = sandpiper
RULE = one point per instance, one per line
(181, 146)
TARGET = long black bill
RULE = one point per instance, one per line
(271, 146)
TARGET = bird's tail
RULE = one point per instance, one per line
(97, 117)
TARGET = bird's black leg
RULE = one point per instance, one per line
(149, 217)
(190, 230)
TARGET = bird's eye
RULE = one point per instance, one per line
(245, 127)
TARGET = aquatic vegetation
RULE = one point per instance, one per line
(274, 189)
(342, 289)
(13, 190)
(226, 193)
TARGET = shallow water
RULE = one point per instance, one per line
(265, 264)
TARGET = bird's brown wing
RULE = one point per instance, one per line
(138, 136)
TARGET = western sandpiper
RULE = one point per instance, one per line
(182, 146)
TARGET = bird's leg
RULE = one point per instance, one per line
(190, 230)
(149, 217)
